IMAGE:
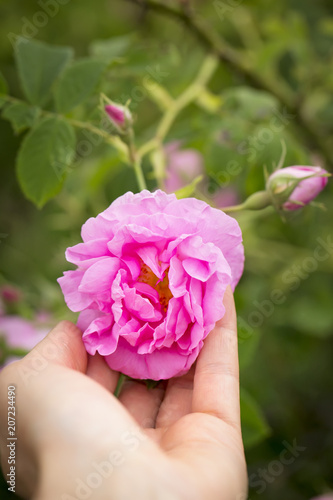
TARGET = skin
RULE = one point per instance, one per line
(181, 440)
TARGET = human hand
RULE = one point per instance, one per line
(76, 440)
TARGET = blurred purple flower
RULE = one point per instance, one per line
(182, 166)
(225, 197)
(19, 333)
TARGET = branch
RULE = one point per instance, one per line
(190, 94)
(212, 41)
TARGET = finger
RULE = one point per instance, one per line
(177, 400)
(99, 371)
(142, 403)
(62, 346)
(216, 380)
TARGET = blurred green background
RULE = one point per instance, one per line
(286, 349)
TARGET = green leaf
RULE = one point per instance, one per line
(249, 104)
(311, 316)
(77, 83)
(3, 90)
(254, 425)
(110, 48)
(189, 190)
(3, 101)
(45, 154)
(21, 115)
(3, 85)
(39, 65)
(248, 341)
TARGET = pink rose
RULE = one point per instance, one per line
(20, 334)
(315, 179)
(152, 272)
(182, 166)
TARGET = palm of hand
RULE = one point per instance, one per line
(188, 432)
(195, 419)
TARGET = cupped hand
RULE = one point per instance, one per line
(76, 440)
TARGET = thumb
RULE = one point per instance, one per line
(62, 346)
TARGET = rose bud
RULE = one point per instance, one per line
(119, 115)
(292, 188)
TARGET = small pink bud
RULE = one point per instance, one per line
(119, 115)
(290, 192)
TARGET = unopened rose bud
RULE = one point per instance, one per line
(119, 115)
(292, 188)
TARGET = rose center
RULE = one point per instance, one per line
(161, 286)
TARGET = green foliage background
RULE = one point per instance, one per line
(285, 349)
